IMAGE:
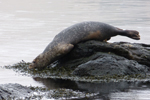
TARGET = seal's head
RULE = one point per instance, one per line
(33, 64)
(37, 62)
(133, 34)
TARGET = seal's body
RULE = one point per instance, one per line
(66, 39)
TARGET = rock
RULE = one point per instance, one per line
(91, 58)
(9, 91)
(95, 58)
(18, 92)
(131, 51)
(109, 64)
(98, 59)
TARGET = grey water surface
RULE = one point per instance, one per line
(27, 27)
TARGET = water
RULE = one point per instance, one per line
(106, 91)
(26, 27)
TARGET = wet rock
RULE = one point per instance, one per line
(10, 91)
(131, 51)
(109, 64)
(19, 92)
(91, 59)
(95, 58)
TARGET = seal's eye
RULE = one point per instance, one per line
(33, 61)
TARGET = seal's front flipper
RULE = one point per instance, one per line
(56, 53)
(64, 48)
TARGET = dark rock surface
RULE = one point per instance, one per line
(109, 64)
(95, 58)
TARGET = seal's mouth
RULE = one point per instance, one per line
(31, 66)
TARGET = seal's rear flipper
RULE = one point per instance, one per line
(130, 33)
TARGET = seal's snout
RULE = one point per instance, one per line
(31, 66)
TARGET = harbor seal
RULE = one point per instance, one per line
(66, 39)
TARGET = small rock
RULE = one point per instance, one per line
(8, 91)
